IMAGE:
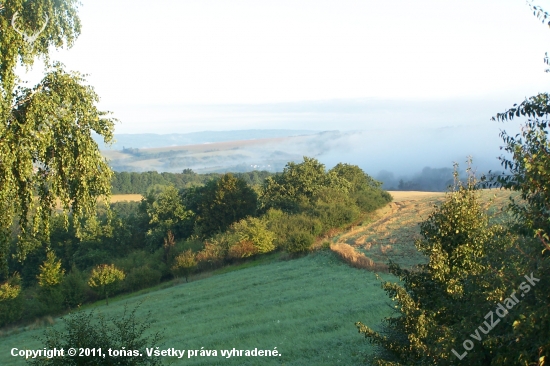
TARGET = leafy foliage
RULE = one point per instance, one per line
(46, 140)
(474, 266)
(184, 264)
(133, 182)
(74, 289)
(220, 203)
(51, 273)
(10, 300)
(106, 277)
(254, 231)
(166, 213)
(299, 242)
(431, 317)
(117, 333)
(297, 185)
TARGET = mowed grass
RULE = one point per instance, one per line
(392, 231)
(125, 197)
(305, 307)
(115, 198)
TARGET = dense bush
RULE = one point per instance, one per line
(298, 184)
(220, 203)
(253, 230)
(11, 301)
(74, 288)
(51, 298)
(166, 213)
(283, 225)
(141, 277)
(132, 182)
(333, 208)
(242, 249)
(214, 219)
(299, 242)
(213, 254)
(335, 215)
(371, 200)
(184, 264)
(82, 330)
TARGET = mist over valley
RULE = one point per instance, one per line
(390, 155)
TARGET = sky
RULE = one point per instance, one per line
(173, 66)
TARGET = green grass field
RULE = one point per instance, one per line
(305, 307)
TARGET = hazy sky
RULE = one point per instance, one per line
(182, 66)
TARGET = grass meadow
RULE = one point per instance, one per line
(305, 307)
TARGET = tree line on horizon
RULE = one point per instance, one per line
(140, 183)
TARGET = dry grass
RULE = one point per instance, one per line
(114, 198)
(393, 230)
(126, 198)
(41, 322)
(357, 259)
(399, 196)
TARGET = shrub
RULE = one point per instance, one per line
(335, 215)
(211, 256)
(253, 230)
(371, 200)
(31, 305)
(299, 242)
(134, 259)
(220, 203)
(192, 243)
(285, 225)
(242, 249)
(11, 302)
(298, 184)
(141, 277)
(184, 264)
(74, 289)
(52, 298)
(106, 277)
(120, 332)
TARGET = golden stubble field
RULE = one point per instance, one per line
(126, 198)
(116, 198)
(390, 233)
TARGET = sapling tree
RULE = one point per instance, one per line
(184, 264)
(106, 278)
(51, 273)
(49, 280)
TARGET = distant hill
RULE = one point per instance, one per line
(378, 151)
(150, 140)
(227, 154)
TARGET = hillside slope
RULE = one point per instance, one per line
(392, 231)
(305, 307)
